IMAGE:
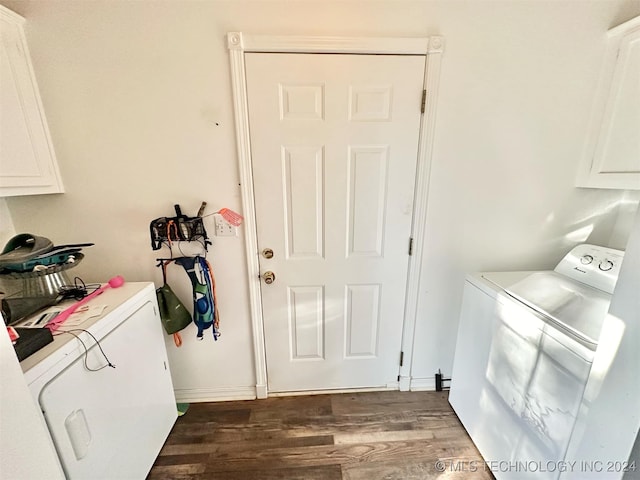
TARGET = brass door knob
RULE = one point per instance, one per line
(269, 277)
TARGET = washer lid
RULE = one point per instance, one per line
(573, 306)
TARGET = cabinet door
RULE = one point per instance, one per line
(113, 422)
(613, 157)
(27, 160)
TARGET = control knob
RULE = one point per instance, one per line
(586, 259)
(605, 265)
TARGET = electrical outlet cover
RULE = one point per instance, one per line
(223, 228)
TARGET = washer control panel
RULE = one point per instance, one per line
(596, 266)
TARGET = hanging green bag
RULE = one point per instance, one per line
(173, 314)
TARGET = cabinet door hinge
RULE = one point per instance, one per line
(401, 358)
(424, 101)
(411, 246)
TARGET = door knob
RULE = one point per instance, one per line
(267, 253)
(269, 277)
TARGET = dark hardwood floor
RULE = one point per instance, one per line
(361, 436)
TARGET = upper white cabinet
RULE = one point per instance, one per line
(28, 164)
(612, 158)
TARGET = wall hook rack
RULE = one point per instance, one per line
(181, 228)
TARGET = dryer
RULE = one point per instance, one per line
(526, 341)
(107, 423)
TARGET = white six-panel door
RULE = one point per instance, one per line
(334, 142)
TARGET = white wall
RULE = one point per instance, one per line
(515, 99)
(138, 99)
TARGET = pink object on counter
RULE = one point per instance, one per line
(115, 282)
(13, 335)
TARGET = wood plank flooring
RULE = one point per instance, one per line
(362, 436)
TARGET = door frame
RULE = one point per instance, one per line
(238, 44)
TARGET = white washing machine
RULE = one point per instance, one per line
(525, 345)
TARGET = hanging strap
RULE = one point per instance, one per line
(216, 311)
(164, 271)
(171, 224)
(210, 285)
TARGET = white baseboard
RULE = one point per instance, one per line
(261, 391)
(389, 388)
(423, 384)
(222, 394)
(195, 395)
(404, 384)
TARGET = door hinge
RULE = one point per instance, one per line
(401, 358)
(424, 101)
(411, 246)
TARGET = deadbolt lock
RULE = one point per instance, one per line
(267, 253)
(269, 277)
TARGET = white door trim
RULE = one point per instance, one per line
(238, 44)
